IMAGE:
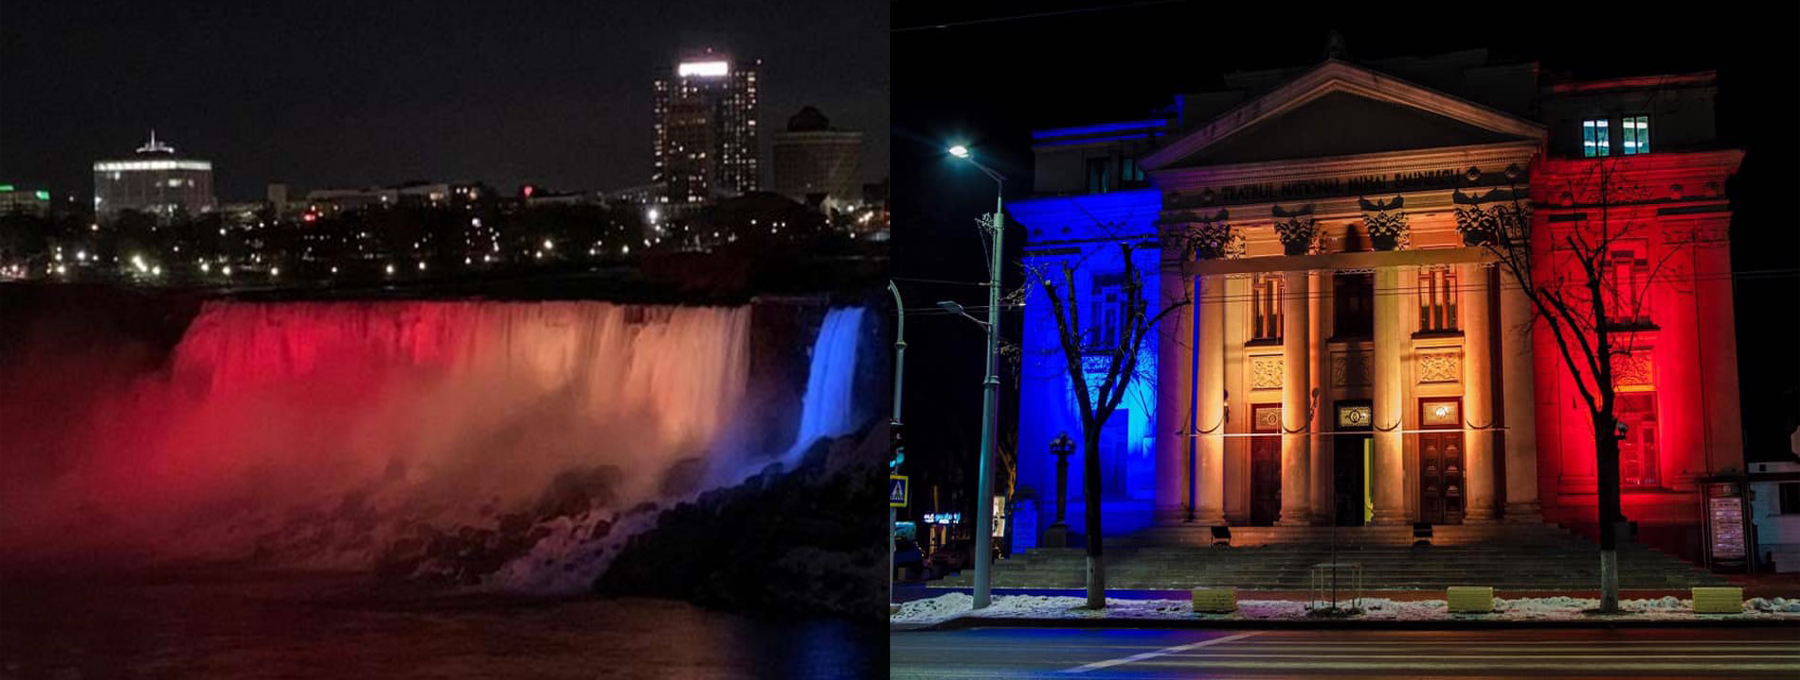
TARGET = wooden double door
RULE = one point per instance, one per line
(1265, 465)
(1442, 491)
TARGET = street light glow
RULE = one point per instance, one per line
(959, 151)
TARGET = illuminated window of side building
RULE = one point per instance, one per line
(1265, 307)
(1437, 299)
(1636, 130)
(1637, 448)
(1130, 173)
(1594, 140)
(1099, 175)
(1628, 282)
(1106, 313)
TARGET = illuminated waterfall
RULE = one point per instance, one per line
(325, 434)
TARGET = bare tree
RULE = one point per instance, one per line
(1592, 312)
(1097, 400)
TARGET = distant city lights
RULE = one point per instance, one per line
(704, 69)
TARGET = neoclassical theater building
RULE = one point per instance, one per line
(1347, 355)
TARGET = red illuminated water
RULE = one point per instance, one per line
(318, 432)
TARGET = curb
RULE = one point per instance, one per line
(967, 622)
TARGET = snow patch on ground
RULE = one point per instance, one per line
(956, 605)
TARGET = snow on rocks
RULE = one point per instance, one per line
(935, 610)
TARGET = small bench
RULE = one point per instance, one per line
(1719, 600)
(1470, 599)
(1215, 600)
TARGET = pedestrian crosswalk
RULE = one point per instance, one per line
(1471, 654)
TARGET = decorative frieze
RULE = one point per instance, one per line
(1439, 367)
(1633, 372)
(1386, 223)
(1343, 376)
(1266, 373)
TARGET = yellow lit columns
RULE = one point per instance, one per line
(1209, 420)
(1296, 389)
(1322, 444)
(1388, 470)
(1520, 403)
(1173, 374)
(1478, 410)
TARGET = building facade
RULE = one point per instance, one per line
(155, 180)
(814, 161)
(1344, 349)
(15, 199)
(705, 142)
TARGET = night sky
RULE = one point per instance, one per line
(989, 76)
(333, 93)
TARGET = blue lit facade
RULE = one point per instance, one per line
(1084, 230)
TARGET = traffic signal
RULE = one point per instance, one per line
(896, 443)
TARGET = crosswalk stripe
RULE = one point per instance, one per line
(1097, 665)
(1702, 666)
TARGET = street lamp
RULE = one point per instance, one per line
(1061, 447)
(984, 509)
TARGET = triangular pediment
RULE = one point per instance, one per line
(1340, 109)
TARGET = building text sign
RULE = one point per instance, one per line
(1359, 185)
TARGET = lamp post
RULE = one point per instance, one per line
(1058, 533)
(899, 453)
(984, 508)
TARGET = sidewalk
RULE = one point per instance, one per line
(942, 609)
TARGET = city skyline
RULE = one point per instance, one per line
(555, 97)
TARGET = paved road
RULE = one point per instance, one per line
(1128, 653)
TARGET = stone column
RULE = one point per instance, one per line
(1478, 408)
(1296, 400)
(1210, 389)
(1388, 469)
(1172, 375)
(1322, 445)
(1518, 383)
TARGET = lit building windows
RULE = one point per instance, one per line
(1636, 130)
(1636, 412)
(1437, 299)
(1106, 313)
(1099, 175)
(1265, 307)
(1628, 283)
(1130, 173)
(1594, 139)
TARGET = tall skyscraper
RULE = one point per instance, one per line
(813, 161)
(705, 131)
(155, 180)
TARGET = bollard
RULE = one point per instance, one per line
(1470, 599)
(1719, 600)
(1215, 600)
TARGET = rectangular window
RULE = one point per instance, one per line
(1790, 498)
(1099, 175)
(1130, 173)
(1353, 305)
(1594, 140)
(1636, 130)
(1265, 307)
(1628, 283)
(1636, 411)
(1106, 314)
(1437, 299)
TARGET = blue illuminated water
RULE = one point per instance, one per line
(828, 409)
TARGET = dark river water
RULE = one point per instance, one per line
(312, 626)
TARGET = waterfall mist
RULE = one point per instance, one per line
(390, 434)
